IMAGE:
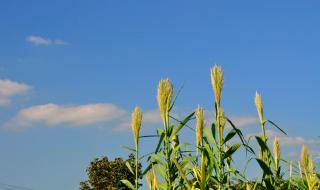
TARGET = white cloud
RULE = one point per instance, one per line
(289, 140)
(59, 42)
(242, 121)
(238, 121)
(9, 88)
(152, 117)
(38, 41)
(55, 115)
(148, 118)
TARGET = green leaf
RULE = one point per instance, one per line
(213, 131)
(147, 169)
(269, 184)
(263, 145)
(229, 136)
(213, 159)
(161, 170)
(157, 159)
(272, 123)
(129, 167)
(175, 98)
(148, 136)
(128, 148)
(159, 143)
(240, 135)
(182, 123)
(176, 149)
(209, 135)
(182, 174)
(127, 183)
(231, 150)
(264, 167)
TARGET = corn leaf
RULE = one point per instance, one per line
(264, 167)
(182, 124)
(229, 136)
(272, 123)
(231, 150)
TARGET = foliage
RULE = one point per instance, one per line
(106, 175)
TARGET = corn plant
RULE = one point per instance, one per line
(136, 125)
(270, 164)
(217, 148)
(168, 152)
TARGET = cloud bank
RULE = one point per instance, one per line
(54, 115)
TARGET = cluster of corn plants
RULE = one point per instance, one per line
(208, 165)
(307, 179)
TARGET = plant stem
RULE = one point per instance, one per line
(167, 152)
(137, 168)
(220, 170)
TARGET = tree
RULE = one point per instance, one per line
(106, 175)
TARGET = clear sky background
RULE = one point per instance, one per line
(72, 71)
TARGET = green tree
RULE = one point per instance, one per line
(106, 175)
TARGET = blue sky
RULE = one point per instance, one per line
(72, 71)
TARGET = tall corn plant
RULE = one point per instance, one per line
(136, 120)
(201, 174)
(168, 151)
(217, 84)
(270, 164)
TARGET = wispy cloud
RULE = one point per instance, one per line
(289, 140)
(152, 117)
(239, 121)
(242, 121)
(55, 115)
(292, 140)
(149, 117)
(42, 41)
(9, 89)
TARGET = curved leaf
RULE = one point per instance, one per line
(128, 184)
(229, 136)
(272, 123)
(182, 124)
(231, 150)
(263, 145)
(264, 167)
(129, 167)
(240, 135)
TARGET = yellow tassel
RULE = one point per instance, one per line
(136, 119)
(217, 83)
(165, 91)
